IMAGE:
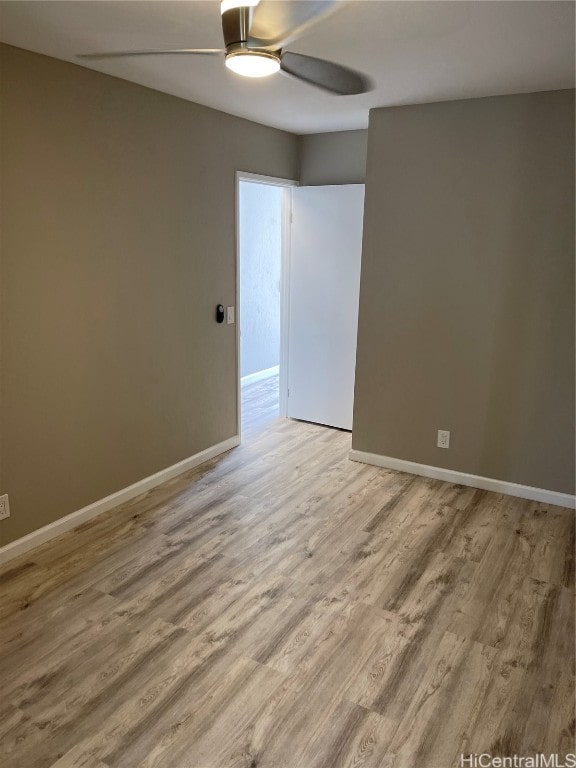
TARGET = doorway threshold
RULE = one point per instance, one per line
(260, 375)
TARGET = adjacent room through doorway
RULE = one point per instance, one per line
(260, 243)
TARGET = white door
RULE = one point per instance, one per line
(325, 250)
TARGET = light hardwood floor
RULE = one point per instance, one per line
(284, 607)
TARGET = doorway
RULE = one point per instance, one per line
(263, 220)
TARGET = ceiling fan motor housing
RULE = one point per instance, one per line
(236, 25)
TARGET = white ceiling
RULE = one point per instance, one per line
(414, 52)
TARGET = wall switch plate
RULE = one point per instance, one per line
(4, 507)
(443, 438)
(230, 315)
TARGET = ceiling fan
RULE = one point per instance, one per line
(255, 35)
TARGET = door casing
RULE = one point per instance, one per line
(286, 185)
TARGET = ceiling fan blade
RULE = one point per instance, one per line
(324, 74)
(274, 23)
(152, 52)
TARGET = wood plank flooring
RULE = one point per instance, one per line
(284, 607)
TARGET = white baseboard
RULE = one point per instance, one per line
(463, 478)
(260, 375)
(74, 519)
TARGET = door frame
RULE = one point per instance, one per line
(287, 185)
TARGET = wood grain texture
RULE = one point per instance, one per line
(283, 607)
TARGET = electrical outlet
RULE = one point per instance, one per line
(443, 438)
(4, 507)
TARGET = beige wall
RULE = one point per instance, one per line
(333, 158)
(467, 291)
(117, 242)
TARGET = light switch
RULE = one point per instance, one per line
(230, 315)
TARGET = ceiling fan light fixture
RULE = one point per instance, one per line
(227, 5)
(253, 63)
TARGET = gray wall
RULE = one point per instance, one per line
(467, 292)
(260, 271)
(117, 242)
(333, 158)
